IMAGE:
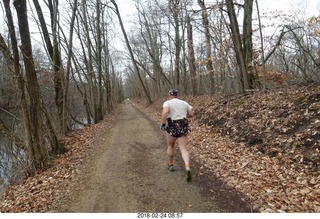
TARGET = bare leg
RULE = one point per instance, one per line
(170, 149)
(183, 142)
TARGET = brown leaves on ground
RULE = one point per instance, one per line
(266, 145)
(44, 191)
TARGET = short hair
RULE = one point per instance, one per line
(173, 92)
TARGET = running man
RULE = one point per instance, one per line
(174, 121)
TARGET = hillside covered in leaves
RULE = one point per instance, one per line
(266, 145)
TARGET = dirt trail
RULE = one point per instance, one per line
(127, 173)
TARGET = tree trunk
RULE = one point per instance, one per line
(54, 55)
(86, 94)
(56, 147)
(262, 49)
(89, 61)
(20, 81)
(100, 110)
(192, 61)
(83, 91)
(70, 55)
(56, 60)
(205, 22)
(237, 46)
(39, 155)
(107, 60)
(174, 4)
(247, 40)
(58, 70)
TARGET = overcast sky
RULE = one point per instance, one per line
(310, 6)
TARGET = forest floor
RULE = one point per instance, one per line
(257, 152)
(125, 172)
(266, 145)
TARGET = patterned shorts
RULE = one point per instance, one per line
(178, 128)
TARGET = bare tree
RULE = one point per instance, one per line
(14, 61)
(247, 42)
(150, 33)
(69, 61)
(192, 61)
(98, 53)
(262, 49)
(107, 67)
(54, 54)
(38, 152)
(205, 23)
(235, 32)
(175, 10)
(131, 53)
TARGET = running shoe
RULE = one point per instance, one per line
(170, 168)
(188, 175)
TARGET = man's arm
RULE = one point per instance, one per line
(165, 113)
(190, 113)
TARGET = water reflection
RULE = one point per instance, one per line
(13, 161)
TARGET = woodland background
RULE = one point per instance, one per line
(65, 65)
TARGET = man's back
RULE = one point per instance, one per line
(178, 109)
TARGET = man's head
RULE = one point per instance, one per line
(173, 92)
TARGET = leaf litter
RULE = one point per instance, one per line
(44, 191)
(265, 145)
